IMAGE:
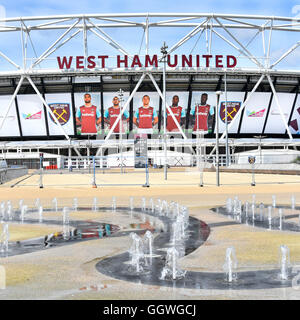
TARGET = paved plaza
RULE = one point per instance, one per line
(69, 271)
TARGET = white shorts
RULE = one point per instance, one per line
(146, 131)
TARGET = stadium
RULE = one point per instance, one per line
(201, 109)
(262, 96)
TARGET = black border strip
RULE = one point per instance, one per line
(242, 113)
(45, 109)
(188, 110)
(267, 115)
(293, 107)
(73, 107)
(17, 111)
(208, 136)
(246, 90)
(160, 103)
(131, 87)
(101, 102)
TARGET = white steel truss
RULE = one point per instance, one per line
(197, 23)
(262, 61)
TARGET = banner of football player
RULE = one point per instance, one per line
(88, 114)
(145, 112)
(294, 124)
(255, 112)
(61, 106)
(274, 123)
(178, 102)
(234, 103)
(112, 106)
(202, 113)
(32, 115)
(10, 126)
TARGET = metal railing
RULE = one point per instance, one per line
(94, 168)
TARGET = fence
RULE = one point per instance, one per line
(182, 169)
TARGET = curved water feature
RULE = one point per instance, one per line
(154, 258)
(176, 242)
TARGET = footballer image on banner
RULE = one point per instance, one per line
(145, 117)
(179, 114)
(111, 114)
(202, 115)
(88, 116)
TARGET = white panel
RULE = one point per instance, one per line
(255, 113)
(32, 115)
(61, 105)
(10, 126)
(274, 122)
(294, 124)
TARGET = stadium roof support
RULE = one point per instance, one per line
(9, 60)
(222, 25)
(294, 47)
(46, 53)
(244, 50)
(279, 107)
(198, 22)
(187, 37)
(105, 37)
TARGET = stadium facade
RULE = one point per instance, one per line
(57, 59)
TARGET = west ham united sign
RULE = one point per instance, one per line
(184, 61)
(61, 112)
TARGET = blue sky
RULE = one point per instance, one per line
(39, 7)
(131, 40)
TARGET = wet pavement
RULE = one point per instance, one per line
(119, 266)
(79, 231)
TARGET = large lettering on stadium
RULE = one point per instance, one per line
(185, 61)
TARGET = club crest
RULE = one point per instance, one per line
(232, 109)
(61, 112)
